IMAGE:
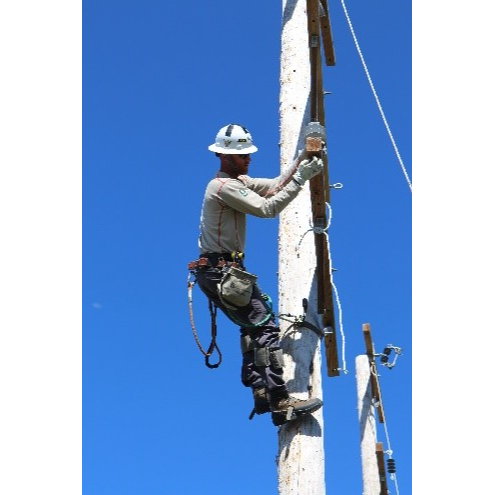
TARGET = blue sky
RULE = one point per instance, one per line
(159, 80)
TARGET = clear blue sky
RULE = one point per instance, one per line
(159, 80)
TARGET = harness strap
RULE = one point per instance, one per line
(315, 329)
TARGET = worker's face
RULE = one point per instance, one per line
(242, 163)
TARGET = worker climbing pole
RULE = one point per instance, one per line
(281, 363)
(222, 275)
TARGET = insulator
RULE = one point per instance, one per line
(384, 359)
(391, 466)
(387, 351)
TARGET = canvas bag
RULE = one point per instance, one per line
(236, 287)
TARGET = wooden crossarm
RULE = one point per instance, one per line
(326, 33)
(375, 384)
(319, 189)
(381, 468)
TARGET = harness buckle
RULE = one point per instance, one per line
(200, 263)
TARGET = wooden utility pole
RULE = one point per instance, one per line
(301, 468)
(367, 423)
(376, 400)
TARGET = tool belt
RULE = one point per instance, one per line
(216, 260)
(206, 263)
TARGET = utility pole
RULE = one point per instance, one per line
(301, 467)
(367, 424)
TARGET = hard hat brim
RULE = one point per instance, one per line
(244, 151)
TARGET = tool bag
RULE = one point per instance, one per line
(236, 287)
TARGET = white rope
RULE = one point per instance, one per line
(337, 299)
(321, 230)
(393, 476)
(376, 96)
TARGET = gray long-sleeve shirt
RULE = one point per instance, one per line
(226, 202)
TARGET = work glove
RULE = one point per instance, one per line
(307, 169)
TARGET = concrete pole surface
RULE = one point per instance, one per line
(301, 466)
(367, 424)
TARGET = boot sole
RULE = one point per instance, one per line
(280, 418)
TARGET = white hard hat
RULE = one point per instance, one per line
(233, 139)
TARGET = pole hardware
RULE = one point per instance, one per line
(385, 355)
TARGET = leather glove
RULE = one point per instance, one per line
(307, 170)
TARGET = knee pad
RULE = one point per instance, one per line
(277, 358)
(264, 356)
(247, 344)
(261, 357)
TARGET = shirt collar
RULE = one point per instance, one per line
(223, 175)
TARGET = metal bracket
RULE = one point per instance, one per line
(384, 356)
(289, 413)
(315, 129)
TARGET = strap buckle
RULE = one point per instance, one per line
(200, 263)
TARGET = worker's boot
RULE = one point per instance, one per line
(261, 402)
(286, 408)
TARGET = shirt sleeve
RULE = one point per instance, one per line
(241, 197)
(261, 186)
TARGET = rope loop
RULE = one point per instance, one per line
(324, 230)
(213, 312)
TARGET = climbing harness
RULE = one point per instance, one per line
(241, 282)
(298, 321)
